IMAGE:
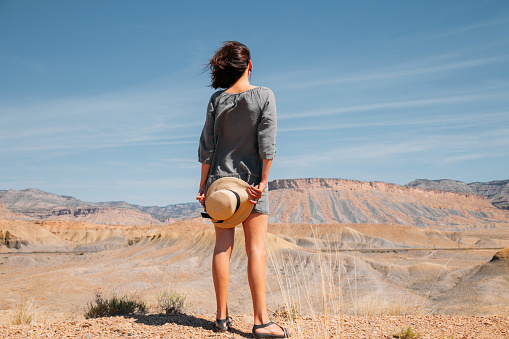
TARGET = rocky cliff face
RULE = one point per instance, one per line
(11, 241)
(349, 201)
(292, 201)
(497, 192)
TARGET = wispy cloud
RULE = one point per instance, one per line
(453, 148)
(34, 65)
(457, 121)
(393, 105)
(372, 76)
(80, 145)
(144, 118)
(475, 156)
(471, 27)
(371, 151)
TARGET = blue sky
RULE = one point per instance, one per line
(105, 100)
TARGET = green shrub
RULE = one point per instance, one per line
(102, 307)
(406, 333)
(172, 302)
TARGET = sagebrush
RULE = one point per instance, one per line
(172, 302)
(407, 333)
(113, 306)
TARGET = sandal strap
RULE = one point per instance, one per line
(224, 323)
(255, 327)
(225, 320)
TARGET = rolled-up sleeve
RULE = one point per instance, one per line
(207, 146)
(267, 129)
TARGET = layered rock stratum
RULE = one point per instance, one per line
(294, 201)
(319, 201)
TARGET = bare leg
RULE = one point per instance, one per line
(221, 268)
(255, 230)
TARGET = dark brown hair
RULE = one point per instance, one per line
(228, 64)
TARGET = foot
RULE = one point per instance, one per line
(270, 330)
(223, 325)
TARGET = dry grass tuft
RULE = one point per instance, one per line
(26, 313)
(325, 285)
(396, 306)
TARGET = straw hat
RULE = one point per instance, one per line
(227, 202)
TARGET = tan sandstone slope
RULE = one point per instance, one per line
(347, 201)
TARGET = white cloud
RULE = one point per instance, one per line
(401, 73)
(393, 105)
(456, 121)
(474, 26)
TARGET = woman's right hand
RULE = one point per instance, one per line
(201, 196)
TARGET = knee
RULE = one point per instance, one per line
(256, 252)
(223, 246)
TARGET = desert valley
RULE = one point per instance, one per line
(335, 248)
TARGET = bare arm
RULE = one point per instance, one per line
(205, 168)
(256, 191)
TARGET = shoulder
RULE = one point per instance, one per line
(265, 94)
(215, 96)
(265, 91)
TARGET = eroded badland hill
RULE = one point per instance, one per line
(334, 246)
(349, 201)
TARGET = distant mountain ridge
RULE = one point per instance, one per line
(37, 204)
(311, 200)
(319, 201)
(497, 192)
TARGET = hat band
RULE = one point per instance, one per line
(206, 215)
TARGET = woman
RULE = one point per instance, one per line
(239, 140)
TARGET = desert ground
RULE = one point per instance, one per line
(336, 270)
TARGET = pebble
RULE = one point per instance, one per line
(200, 326)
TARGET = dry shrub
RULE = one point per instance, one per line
(288, 312)
(113, 306)
(407, 333)
(172, 302)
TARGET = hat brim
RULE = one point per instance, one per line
(245, 208)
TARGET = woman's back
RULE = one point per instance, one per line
(239, 131)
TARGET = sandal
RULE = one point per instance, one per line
(223, 325)
(268, 335)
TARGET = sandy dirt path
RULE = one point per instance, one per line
(199, 326)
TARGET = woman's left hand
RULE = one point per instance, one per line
(201, 196)
(256, 191)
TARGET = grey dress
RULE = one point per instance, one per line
(240, 131)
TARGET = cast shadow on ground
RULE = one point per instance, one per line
(182, 320)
